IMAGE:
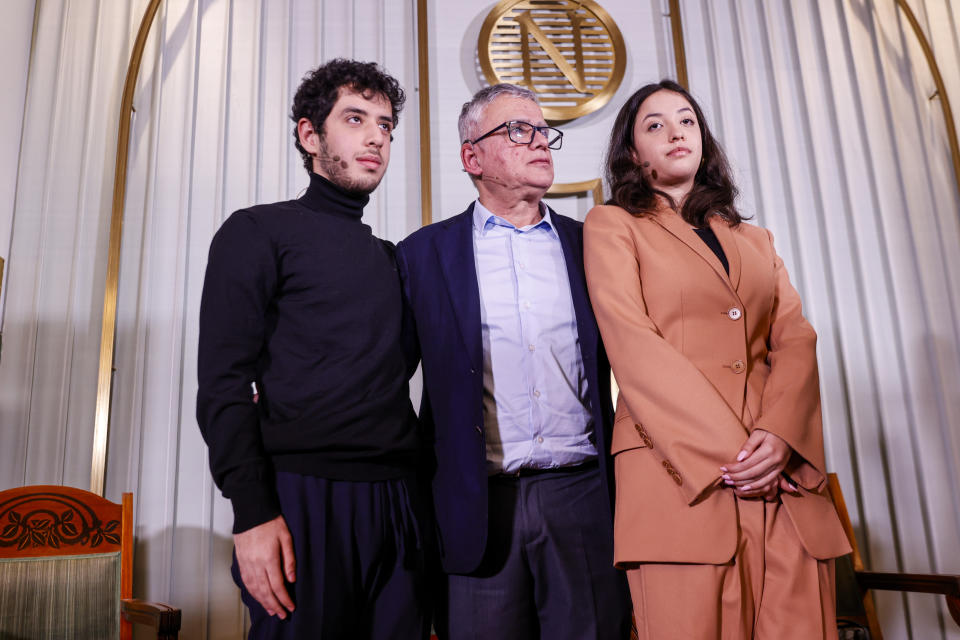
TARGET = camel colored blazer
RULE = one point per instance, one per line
(702, 358)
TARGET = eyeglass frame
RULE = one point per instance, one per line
(536, 129)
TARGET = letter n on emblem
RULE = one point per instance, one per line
(530, 28)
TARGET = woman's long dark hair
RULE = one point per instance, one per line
(713, 190)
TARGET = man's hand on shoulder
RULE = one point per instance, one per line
(265, 557)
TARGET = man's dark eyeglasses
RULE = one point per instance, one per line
(522, 132)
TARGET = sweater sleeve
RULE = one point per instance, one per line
(240, 281)
(408, 335)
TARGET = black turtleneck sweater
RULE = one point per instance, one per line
(303, 300)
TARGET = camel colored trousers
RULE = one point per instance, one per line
(771, 590)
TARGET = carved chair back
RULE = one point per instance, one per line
(66, 561)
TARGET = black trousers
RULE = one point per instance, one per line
(547, 571)
(360, 562)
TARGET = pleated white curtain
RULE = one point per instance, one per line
(824, 107)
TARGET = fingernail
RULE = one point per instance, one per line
(724, 469)
(745, 487)
(726, 477)
(728, 482)
(741, 456)
(793, 487)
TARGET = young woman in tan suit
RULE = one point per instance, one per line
(722, 519)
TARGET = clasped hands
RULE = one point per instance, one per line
(756, 473)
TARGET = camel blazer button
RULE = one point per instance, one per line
(738, 366)
(673, 472)
(643, 436)
(734, 313)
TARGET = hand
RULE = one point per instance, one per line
(768, 493)
(782, 485)
(261, 554)
(756, 473)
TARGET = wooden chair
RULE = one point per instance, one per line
(855, 602)
(66, 568)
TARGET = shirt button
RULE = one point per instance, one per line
(530, 347)
(540, 439)
(520, 264)
(738, 366)
(536, 394)
(734, 313)
(526, 305)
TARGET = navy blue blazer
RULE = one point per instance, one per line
(442, 298)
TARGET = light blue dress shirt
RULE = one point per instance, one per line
(536, 412)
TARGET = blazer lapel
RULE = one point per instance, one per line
(729, 243)
(459, 272)
(571, 242)
(680, 228)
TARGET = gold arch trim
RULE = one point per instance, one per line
(423, 79)
(594, 187)
(679, 51)
(941, 89)
(108, 331)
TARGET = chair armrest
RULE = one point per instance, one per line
(947, 585)
(164, 618)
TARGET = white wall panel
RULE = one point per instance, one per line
(52, 329)
(16, 37)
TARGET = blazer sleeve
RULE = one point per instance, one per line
(689, 424)
(790, 401)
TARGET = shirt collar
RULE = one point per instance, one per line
(484, 220)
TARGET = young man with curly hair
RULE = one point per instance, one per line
(303, 396)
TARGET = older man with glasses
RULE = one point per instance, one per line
(516, 395)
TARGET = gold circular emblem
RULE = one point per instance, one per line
(570, 53)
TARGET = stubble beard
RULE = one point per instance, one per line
(336, 168)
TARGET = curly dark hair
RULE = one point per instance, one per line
(320, 88)
(713, 191)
